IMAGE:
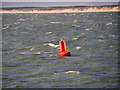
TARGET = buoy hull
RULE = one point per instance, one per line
(64, 53)
(63, 49)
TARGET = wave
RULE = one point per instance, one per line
(48, 32)
(52, 45)
(75, 25)
(78, 48)
(72, 72)
(110, 23)
(74, 38)
(87, 29)
(28, 53)
(55, 22)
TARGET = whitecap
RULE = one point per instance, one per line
(48, 32)
(111, 14)
(115, 24)
(27, 28)
(78, 48)
(74, 38)
(71, 14)
(111, 46)
(75, 25)
(56, 73)
(28, 47)
(23, 32)
(54, 22)
(51, 55)
(112, 35)
(6, 24)
(75, 21)
(82, 14)
(87, 29)
(109, 23)
(100, 36)
(5, 27)
(52, 45)
(102, 40)
(72, 72)
(24, 53)
(36, 53)
(22, 19)
(32, 48)
(16, 28)
(16, 23)
(30, 29)
(82, 33)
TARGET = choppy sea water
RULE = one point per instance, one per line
(30, 46)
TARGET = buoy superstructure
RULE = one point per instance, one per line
(63, 49)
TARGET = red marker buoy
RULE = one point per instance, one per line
(63, 49)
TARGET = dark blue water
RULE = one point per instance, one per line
(30, 48)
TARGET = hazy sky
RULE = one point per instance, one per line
(60, 0)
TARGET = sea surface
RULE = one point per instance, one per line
(54, 4)
(30, 44)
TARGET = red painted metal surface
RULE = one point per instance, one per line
(63, 49)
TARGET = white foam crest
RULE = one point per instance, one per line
(102, 40)
(28, 28)
(116, 24)
(24, 53)
(22, 32)
(109, 23)
(68, 72)
(52, 45)
(22, 19)
(27, 53)
(36, 53)
(72, 72)
(82, 33)
(48, 32)
(16, 27)
(6, 27)
(6, 24)
(76, 25)
(16, 23)
(55, 22)
(112, 35)
(87, 29)
(78, 48)
(111, 46)
(71, 14)
(100, 36)
(74, 38)
(75, 21)
(32, 48)
(65, 14)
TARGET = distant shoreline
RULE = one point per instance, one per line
(70, 10)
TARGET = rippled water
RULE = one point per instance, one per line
(30, 48)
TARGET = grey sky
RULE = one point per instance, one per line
(60, 0)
